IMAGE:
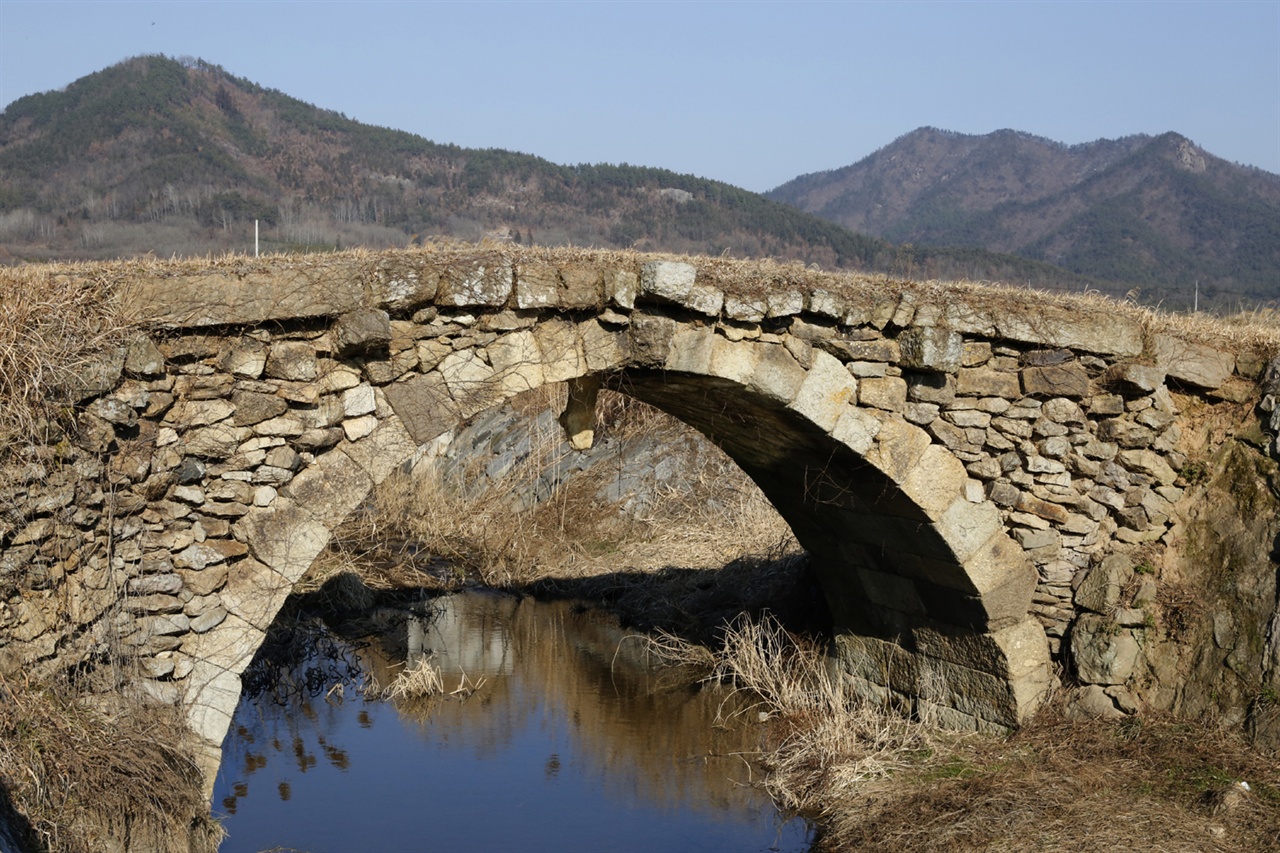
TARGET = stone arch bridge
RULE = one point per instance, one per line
(968, 468)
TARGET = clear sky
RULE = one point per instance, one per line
(753, 93)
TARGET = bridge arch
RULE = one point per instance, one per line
(929, 593)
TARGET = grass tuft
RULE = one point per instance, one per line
(89, 776)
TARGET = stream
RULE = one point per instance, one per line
(553, 733)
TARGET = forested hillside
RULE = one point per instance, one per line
(181, 157)
(1155, 213)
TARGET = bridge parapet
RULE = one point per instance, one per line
(976, 472)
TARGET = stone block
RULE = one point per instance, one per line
(826, 391)
(253, 408)
(383, 450)
(621, 287)
(899, 447)
(363, 331)
(561, 348)
(985, 382)
(484, 285)
(651, 338)
(745, 309)
(292, 360)
(777, 374)
(936, 481)
(285, 538)
(1102, 587)
(1133, 379)
(469, 378)
(888, 393)
(1193, 364)
(244, 298)
(1102, 652)
(571, 286)
(932, 349)
(1150, 463)
(142, 358)
(667, 280)
(356, 401)
(603, 349)
(784, 303)
(856, 429)
(516, 362)
(1062, 380)
(691, 350)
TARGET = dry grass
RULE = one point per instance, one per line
(88, 778)
(1152, 784)
(825, 746)
(876, 781)
(53, 322)
(420, 680)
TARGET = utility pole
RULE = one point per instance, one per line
(255, 238)
(1196, 305)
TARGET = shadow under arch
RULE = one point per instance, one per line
(928, 593)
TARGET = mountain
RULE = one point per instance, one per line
(180, 157)
(1158, 213)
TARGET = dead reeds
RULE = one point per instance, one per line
(55, 321)
(89, 777)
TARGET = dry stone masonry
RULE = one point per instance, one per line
(976, 485)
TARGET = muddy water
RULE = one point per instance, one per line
(562, 738)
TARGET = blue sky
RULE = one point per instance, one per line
(753, 93)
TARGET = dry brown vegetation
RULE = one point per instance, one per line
(94, 775)
(877, 781)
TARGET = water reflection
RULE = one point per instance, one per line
(569, 741)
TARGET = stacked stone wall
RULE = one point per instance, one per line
(209, 460)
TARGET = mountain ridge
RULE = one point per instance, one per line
(180, 157)
(1154, 211)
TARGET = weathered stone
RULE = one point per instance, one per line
(1193, 364)
(143, 358)
(199, 413)
(777, 374)
(1103, 585)
(483, 285)
(363, 331)
(1064, 380)
(1134, 379)
(934, 349)
(888, 393)
(253, 408)
(826, 391)
(745, 309)
(935, 388)
(667, 280)
(214, 442)
(1149, 463)
(246, 359)
(784, 303)
(292, 360)
(1102, 652)
(986, 382)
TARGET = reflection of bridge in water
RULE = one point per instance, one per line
(608, 735)
(463, 637)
